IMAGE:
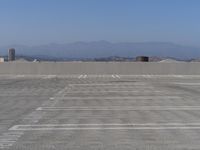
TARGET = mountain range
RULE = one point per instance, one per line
(99, 49)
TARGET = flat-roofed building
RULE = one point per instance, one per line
(1, 59)
(142, 58)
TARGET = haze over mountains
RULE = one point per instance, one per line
(98, 49)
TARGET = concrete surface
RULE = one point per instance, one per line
(100, 112)
(123, 68)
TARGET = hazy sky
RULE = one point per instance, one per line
(34, 22)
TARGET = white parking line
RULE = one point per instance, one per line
(112, 88)
(186, 83)
(162, 76)
(113, 76)
(118, 76)
(148, 126)
(114, 84)
(121, 108)
(120, 98)
(131, 91)
(8, 139)
(80, 76)
(102, 76)
(49, 76)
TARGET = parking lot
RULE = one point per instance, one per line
(100, 112)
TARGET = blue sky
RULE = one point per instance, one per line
(35, 22)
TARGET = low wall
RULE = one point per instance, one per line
(99, 68)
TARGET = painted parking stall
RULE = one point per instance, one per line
(124, 110)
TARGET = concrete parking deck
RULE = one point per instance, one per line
(100, 112)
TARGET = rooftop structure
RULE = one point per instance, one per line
(142, 58)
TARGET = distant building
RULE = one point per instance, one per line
(1, 59)
(142, 59)
(11, 54)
